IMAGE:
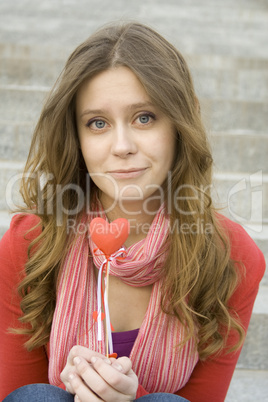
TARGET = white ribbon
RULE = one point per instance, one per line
(106, 307)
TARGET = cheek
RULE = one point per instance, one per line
(92, 153)
(167, 150)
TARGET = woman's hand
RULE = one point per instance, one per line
(70, 367)
(91, 377)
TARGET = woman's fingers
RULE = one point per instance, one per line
(82, 392)
(92, 376)
(122, 364)
(118, 375)
(109, 383)
(69, 368)
(89, 385)
(86, 353)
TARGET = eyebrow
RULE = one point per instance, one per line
(130, 108)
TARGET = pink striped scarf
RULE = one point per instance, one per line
(158, 363)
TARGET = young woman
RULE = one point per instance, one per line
(120, 136)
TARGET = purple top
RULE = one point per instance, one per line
(123, 342)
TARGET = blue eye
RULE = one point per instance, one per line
(144, 118)
(99, 123)
(96, 124)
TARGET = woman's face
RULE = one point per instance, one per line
(127, 143)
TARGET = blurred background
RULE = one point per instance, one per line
(226, 45)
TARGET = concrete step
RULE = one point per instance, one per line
(263, 245)
(5, 218)
(248, 386)
(15, 142)
(36, 52)
(238, 29)
(240, 152)
(236, 84)
(27, 72)
(242, 12)
(223, 115)
(214, 61)
(11, 174)
(255, 350)
(196, 38)
(241, 197)
(21, 105)
(261, 302)
(228, 29)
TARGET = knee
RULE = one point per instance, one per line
(161, 397)
(39, 392)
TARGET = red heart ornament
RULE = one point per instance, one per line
(109, 237)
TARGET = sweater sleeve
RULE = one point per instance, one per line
(210, 379)
(18, 367)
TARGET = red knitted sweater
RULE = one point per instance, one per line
(210, 379)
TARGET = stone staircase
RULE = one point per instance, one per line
(225, 43)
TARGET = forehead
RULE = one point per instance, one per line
(112, 85)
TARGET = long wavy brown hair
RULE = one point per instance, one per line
(200, 276)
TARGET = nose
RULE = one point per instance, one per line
(123, 142)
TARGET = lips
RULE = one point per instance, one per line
(127, 173)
